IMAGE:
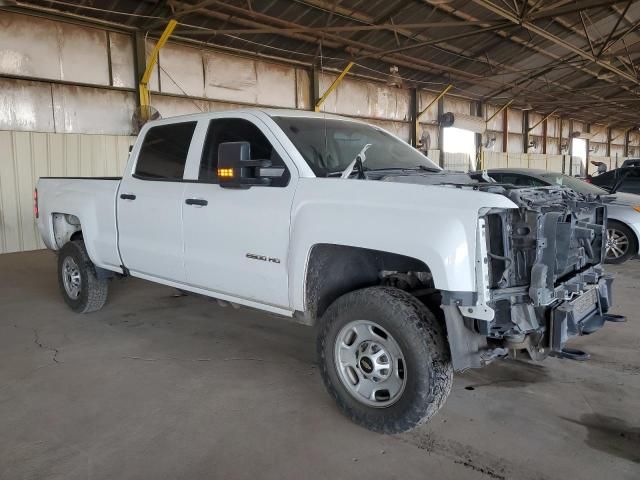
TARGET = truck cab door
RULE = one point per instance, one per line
(149, 203)
(237, 239)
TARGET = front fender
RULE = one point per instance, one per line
(434, 224)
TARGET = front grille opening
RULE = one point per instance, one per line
(495, 248)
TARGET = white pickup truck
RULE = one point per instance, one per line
(409, 272)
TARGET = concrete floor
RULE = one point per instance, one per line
(156, 386)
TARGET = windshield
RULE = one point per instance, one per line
(573, 183)
(330, 145)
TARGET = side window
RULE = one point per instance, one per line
(521, 180)
(605, 180)
(631, 183)
(509, 178)
(534, 182)
(239, 130)
(164, 151)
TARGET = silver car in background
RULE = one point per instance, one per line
(623, 225)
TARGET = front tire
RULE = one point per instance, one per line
(621, 243)
(81, 288)
(384, 358)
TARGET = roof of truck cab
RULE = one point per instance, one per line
(272, 112)
(289, 112)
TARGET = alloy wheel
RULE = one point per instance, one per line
(617, 244)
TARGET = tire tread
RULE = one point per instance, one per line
(97, 288)
(416, 318)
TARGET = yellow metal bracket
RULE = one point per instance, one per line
(506, 105)
(545, 118)
(432, 102)
(332, 87)
(429, 105)
(153, 59)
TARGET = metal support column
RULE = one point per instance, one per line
(525, 131)
(609, 143)
(626, 143)
(441, 130)
(139, 60)
(315, 86)
(479, 112)
(586, 151)
(414, 134)
(505, 131)
(544, 136)
(570, 139)
(560, 122)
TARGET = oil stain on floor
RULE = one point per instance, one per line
(611, 435)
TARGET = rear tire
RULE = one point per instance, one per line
(621, 243)
(384, 358)
(81, 288)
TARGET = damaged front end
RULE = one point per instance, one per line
(539, 278)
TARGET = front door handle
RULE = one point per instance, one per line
(127, 196)
(197, 202)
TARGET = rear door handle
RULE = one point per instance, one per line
(127, 196)
(197, 202)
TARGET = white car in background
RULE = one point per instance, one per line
(623, 212)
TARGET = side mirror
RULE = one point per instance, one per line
(236, 169)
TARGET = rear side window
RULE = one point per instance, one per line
(631, 183)
(164, 151)
(521, 180)
(605, 180)
(239, 130)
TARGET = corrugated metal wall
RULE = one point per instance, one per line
(25, 156)
(67, 96)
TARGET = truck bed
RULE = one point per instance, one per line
(91, 199)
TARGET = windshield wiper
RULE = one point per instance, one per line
(359, 160)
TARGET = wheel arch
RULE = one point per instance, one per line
(66, 228)
(333, 270)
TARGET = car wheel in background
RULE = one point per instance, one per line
(621, 243)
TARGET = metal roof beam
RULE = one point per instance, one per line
(435, 41)
(553, 38)
(606, 45)
(520, 83)
(572, 8)
(358, 16)
(345, 28)
(352, 47)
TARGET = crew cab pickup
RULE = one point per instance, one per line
(409, 272)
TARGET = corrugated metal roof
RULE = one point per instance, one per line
(577, 56)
